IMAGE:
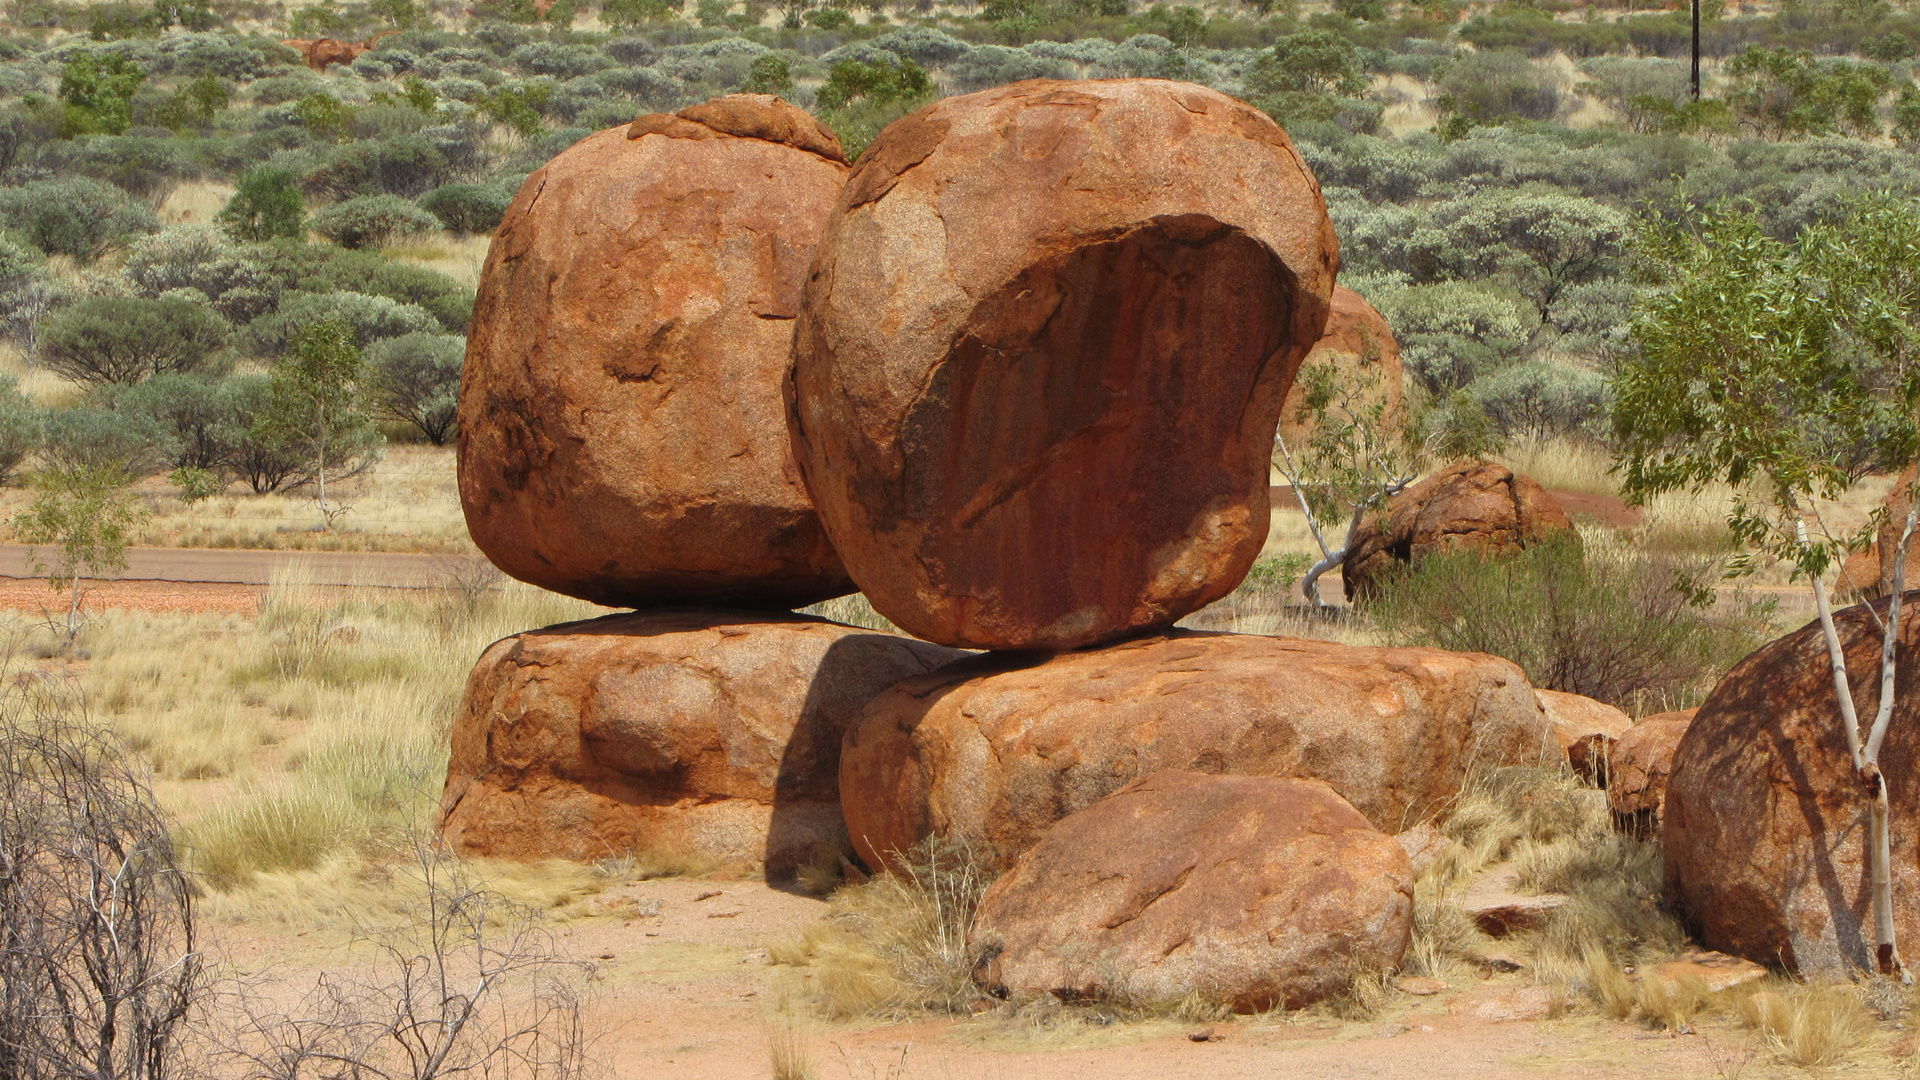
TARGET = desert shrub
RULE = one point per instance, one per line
(1453, 333)
(371, 318)
(106, 439)
(124, 339)
(267, 204)
(372, 220)
(1626, 627)
(27, 290)
(1786, 94)
(923, 45)
(260, 456)
(142, 165)
(1541, 400)
(658, 90)
(78, 216)
(416, 380)
(560, 61)
(97, 89)
(281, 89)
(365, 272)
(631, 51)
(19, 427)
(200, 410)
(997, 65)
(196, 257)
(407, 165)
(467, 208)
(1492, 86)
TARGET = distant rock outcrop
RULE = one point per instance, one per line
(1365, 357)
(622, 437)
(1043, 351)
(1472, 505)
(1250, 891)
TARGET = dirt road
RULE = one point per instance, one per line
(246, 567)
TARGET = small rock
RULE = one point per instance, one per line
(606, 956)
(1532, 1003)
(1502, 962)
(1420, 985)
(1388, 1031)
(706, 896)
(1717, 970)
(723, 914)
(1495, 904)
(1424, 843)
(1203, 1035)
(756, 956)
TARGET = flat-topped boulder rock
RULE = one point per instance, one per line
(706, 732)
(1042, 353)
(1249, 891)
(1765, 823)
(1585, 729)
(994, 749)
(622, 436)
(1359, 348)
(1638, 765)
(1470, 505)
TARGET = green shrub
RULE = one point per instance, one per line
(1626, 627)
(266, 205)
(77, 216)
(84, 438)
(265, 459)
(371, 318)
(196, 485)
(405, 165)
(124, 339)
(200, 410)
(19, 427)
(372, 220)
(416, 381)
(98, 89)
(1542, 400)
(1488, 87)
(471, 208)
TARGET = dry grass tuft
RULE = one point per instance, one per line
(1810, 1026)
(1563, 464)
(897, 944)
(1609, 985)
(852, 609)
(1672, 1003)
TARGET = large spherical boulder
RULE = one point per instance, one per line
(622, 436)
(1360, 348)
(711, 733)
(1249, 891)
(1042, 353)
(1470, 505)
(1765, 823)
(992, 750)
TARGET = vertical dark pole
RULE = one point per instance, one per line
(1696, 50)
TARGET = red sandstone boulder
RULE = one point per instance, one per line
(1585, 729)
(1470, 505)
(1248, 890)
(1765, 822)
(706, 732)
(1364, 356)
(993, 750)
(622, 437)
(1868, 574)
(1638, 765)
(1042, 353)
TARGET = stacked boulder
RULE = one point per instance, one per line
(1037, 361)
(1468, 506)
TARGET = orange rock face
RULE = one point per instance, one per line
(1638, 765)
(1470, 505)
(1584, 728)
(1765, 824)
(622, 437)
(993, 750)
(1042, 354)
(1361, 347)
(703, 732)
(1250, 891)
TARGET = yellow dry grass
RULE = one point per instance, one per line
(194, 202)
(458, 257)
(300, 748)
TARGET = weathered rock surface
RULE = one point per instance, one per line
(1473, 505)
(994, 749)
(713, 733)
(1495, 902)
(1868, 575)
(1252, 891)
(1043, 351)
(622, 436)
(1765, 822)
(1638, 765)
(1713, 970)
(1360, 346)
(1584, 728)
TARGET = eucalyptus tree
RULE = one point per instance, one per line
(1774, 368)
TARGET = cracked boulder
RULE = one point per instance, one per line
(992, 750)
(1042, 353)
(1468, 506)
(1638, 765)
(712, 734)
(622, 437)
(1764, 829)
(1358, 349)
(1249, 891)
